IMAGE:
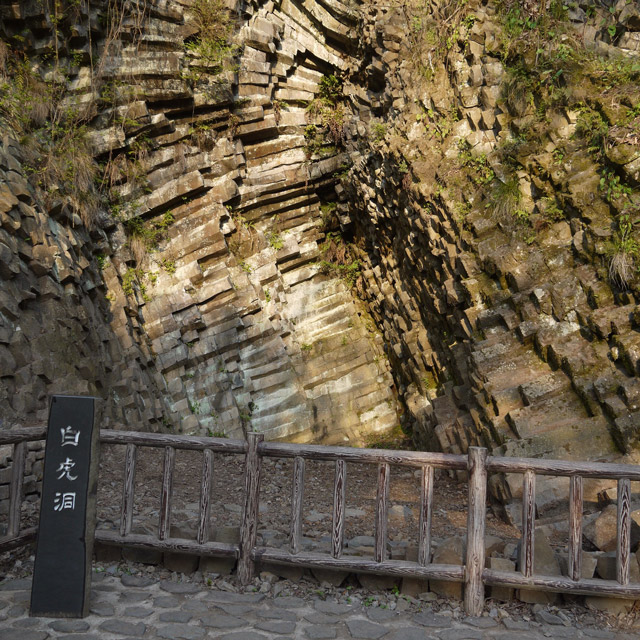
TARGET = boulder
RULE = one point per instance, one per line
(502, 594)
(545, 563)
(450, 551)
(602, 532)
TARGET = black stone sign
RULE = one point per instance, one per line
(62, 571)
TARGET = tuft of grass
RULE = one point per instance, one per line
(53, 135)
(505, 197)
(215, 29)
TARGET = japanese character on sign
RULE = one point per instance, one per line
(65, 468)
(69, 436)
(64, 501)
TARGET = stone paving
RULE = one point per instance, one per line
(145, 607)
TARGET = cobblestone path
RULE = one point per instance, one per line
(143, 607)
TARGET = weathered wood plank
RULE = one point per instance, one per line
(126, 513)
(528, 522)
(576, 496)
(177, 545)
(23, 434)
(297, 495)
(165, 494)
(426, 508)
(623, 550)
(382, 507)
(249, 525)
(473, 585)
(23, 538)
(563, 468)
(450, 572)
(339, 494)
(350, 454)
(560, 584)
(16, 488)
(194, 443)
(205, 496)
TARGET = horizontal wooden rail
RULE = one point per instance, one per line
(566, 468)
(175, 545)
(192, 443)
(23, 434)
(350, 454)
(26, 536)
(562, 584)
(450, 572)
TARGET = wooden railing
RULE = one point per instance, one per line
(477, 463)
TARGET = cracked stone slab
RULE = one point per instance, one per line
(124, 628)
(460, 634)
(320, 632)
(481, 622)
(428, 619)
(218, 621)
(335, 608)
(289, 602)
(277, 626)
(175, 616)
(138, 612)
(136, 581)
(378, 614)
(21, 634)
(277, 615)
(180, 632)
(179, 587)
(225, 597)
(365, 629)
(69, 626)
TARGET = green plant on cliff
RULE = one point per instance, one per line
(504, 197)
(328, 111)
(215, 29)
(593, 128)
(478, 164)
(132, 279)
(276, 241)
(432, 30)
(53, 130)
(624, 253)
(338, 260)
(378, 130)
(143, 237)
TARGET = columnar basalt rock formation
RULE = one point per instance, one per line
(228, 323)
(205, 302)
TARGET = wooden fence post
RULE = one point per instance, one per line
(623, 560)
(426, 501)
(473, 584)
(297, 494)
(339, 495)
(527, 547)
(249, 526)
(205, 496)
(126, 515)
(576, 494)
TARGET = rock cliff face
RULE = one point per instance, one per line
(408, 155)
(225, 320)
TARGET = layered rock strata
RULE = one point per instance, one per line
(228, 323)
